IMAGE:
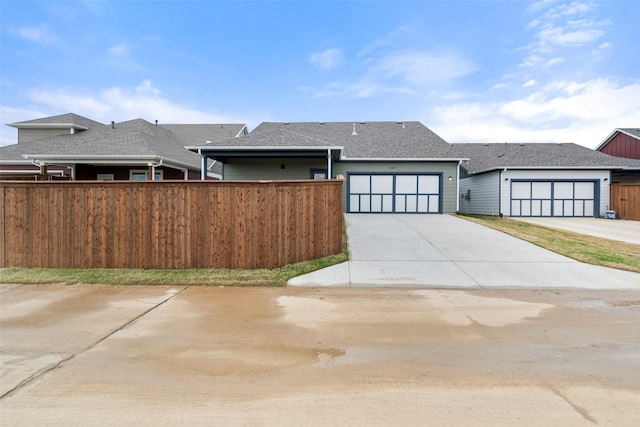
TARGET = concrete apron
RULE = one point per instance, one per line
(446, 251)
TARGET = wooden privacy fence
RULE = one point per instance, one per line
(625, 200)
(169, 224)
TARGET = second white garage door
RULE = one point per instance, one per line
(553, 198)
(394, 193)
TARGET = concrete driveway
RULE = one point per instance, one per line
(619, 229)
(446, 251)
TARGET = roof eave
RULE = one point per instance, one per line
(148, 160)
(47, 126)
(495, 168)
(404, 159)
(197, 148)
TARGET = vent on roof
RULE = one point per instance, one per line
(354, 132)
(113, 124)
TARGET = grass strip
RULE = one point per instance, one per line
(581, 247)
(194, 277)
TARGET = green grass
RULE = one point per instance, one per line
(195, 277)
(581, 247)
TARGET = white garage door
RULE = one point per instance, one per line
(394, 193)
(553, 198)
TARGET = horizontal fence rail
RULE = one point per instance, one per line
(169, 224)
(625, 200)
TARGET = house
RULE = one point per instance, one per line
(70, 146)
(537, 179)
(623, 143)
(399, 167)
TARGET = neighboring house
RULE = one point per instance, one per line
(623, 143)
(537, 179)
(70, 146)
(400, 167)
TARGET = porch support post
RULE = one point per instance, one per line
(43, 171)
(203, 165)
(152, 175)
(329, 171)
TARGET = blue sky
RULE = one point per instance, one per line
(472, 71)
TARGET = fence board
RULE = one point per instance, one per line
(625, 200)
(169, 224)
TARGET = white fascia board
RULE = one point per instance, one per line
(393, 159)
(506, 168)
(607, 139)
(260, 148)
(47, 126)
(93, 158)
(15, 162)
(118, 160)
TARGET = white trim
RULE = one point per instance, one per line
(113, 160)
(260, 148)
(47, 126)
(30, 172)
(611, 136)
(555, 168)
(240, 133)
(408, 159)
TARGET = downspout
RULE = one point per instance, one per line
(329, 171)
(153, 169)
(458, 187)
(501, 183)
(203, 165)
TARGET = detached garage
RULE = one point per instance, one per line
(529, 180)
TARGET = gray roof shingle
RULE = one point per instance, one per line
(130, 138)
(68, 118)
(372, 140)
(486, 157)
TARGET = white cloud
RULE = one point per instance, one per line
(113, 103)
(41, 35)
(575, 33)
(529, 83)
(147, 87)
(327, 59)
(422, 68)
(564, 111)
(402, 72)
(118, 50)
(554, 61)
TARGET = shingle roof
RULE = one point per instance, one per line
(69, 118)
(194, 134)
(486, 157)
(371, 140)
(130, 138)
